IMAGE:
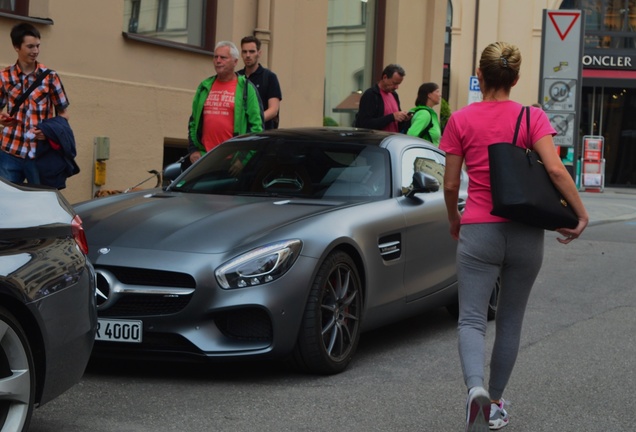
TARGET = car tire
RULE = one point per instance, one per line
(453, 309)
(17, 374)
(494, 298)
(330, 328)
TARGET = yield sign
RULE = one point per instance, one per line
(563, 20)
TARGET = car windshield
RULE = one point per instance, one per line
(275, 166)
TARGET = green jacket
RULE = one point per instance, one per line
(425, 124)
(247, 119)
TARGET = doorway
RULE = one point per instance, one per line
(611, 112)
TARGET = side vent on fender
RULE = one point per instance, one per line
(390, 247)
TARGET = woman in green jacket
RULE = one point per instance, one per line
(424, 122)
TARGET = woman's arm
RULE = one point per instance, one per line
(564, 183)
(452, 183)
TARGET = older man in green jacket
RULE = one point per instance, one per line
(224, 105)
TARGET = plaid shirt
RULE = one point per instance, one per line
(37, 107)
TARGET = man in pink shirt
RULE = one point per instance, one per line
(380, 105)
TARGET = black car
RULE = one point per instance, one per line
(48, 314)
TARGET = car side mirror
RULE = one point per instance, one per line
(423, 182)
(174, 170)
(171, 172)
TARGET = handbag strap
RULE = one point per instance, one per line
(528, 121)
(20, 99)
(514, 138)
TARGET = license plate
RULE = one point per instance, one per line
(119, 330)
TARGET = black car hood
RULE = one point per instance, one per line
(189, 222)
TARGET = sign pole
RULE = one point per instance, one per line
(560, 80)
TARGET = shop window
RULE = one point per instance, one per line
(354, 33)
(178, 23)
(609, 24)
(16, 7)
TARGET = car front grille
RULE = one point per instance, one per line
(135, 292)
(145, 305)
(251, 324)
(141, 276)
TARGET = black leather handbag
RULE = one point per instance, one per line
(521, 188)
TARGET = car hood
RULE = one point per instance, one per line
(190, 222)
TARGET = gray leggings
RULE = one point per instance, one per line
(485, 251)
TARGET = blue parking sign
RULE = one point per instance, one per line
(474, 84)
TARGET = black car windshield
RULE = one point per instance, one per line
(275, 166)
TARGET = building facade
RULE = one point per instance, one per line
(130, 67)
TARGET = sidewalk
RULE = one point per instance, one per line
(613, 204)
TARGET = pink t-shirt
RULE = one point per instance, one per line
(218, 114)
(471, 130)
(390, 106)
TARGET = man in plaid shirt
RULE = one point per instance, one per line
(20, 131)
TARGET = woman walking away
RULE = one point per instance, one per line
(490, 246)
(424, 121)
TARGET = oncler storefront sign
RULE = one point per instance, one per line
(595, 61)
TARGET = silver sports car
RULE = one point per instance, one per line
(287, 243)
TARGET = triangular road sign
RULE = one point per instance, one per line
(563, 20)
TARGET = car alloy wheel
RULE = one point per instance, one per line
(17, 376)
(330, 328)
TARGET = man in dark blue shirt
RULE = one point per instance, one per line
(264, 79)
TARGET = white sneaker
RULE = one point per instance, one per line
(477, 410)
(498, 415)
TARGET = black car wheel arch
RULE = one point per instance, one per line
(330, 329)
(18, 374)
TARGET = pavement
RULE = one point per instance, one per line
(575, 371)
(610, 205)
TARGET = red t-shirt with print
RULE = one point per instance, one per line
(218, 114)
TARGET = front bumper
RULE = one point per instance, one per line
(186, 315)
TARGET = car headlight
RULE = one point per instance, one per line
(261, 265)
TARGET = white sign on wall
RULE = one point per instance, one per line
(474, 92)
